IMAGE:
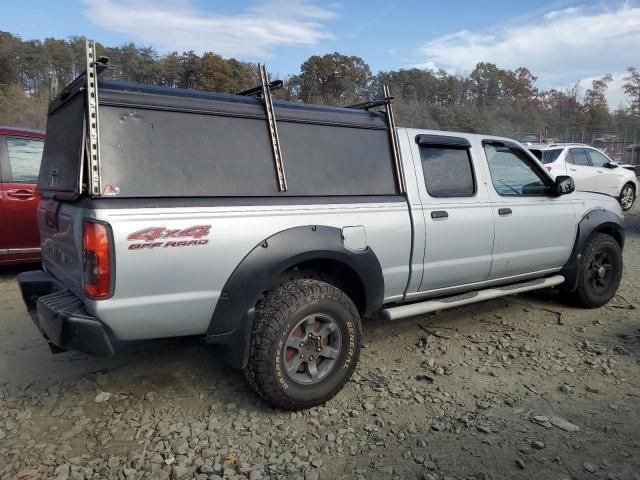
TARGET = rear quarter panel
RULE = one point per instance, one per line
(172, 291)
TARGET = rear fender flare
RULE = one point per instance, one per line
(232, 321)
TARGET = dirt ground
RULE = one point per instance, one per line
(520, 387)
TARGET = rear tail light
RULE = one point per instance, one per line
(97, 259)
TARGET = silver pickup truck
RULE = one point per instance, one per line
(271, 229)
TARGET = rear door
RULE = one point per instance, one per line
(534, 231)
(580, 169)
(457, 213)
(21, 159)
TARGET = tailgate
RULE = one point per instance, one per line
(60, 225)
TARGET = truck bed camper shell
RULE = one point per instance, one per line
(157, 141)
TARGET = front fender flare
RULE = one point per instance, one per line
(232, 321)
(594, 221)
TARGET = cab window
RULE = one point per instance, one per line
(512, 171)
(448, 171)
(25, 155)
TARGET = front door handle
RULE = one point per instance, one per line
(503, 212)
(439, 214)
(572, 169)
(23, 194)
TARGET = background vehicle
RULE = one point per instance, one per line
(20, 157)
(591, 170)
(272, 230)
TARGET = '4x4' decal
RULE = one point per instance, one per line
(155, 237)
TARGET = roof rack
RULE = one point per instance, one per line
(385, 101)
(273, 86)
(372, 104)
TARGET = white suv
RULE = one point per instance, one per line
(590, 169)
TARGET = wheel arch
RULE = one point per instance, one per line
(593, 222)
(312, 251)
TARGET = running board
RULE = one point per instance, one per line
(403, 311)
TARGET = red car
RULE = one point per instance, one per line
(20, 156)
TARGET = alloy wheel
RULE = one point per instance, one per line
(626, 199)
(600, 271)
(312, 349)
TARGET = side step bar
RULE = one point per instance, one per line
(402, 311)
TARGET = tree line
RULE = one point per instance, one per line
(487, 99)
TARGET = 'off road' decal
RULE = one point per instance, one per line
(156, 237)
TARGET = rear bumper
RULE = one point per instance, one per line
(60, 316)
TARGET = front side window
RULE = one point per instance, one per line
(512, 173)
(597, 158)
(448, 171)
(578, 156)
(25, 155)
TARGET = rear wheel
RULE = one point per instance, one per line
(305, 344)
(599, 272)
(627, 196)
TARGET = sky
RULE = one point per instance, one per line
(562, 42)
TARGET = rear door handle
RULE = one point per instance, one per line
(439, 214)
(23, 194)
(503, 212)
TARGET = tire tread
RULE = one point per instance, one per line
(271, 313)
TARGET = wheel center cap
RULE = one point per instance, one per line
(310, 346)
(601, 272)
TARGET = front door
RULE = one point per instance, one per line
(607, 178)
(535, 231)
(20, 167)
(457, 213)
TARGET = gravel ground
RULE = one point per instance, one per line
(520, 387)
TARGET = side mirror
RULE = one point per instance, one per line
(611, 165)
(563, 185)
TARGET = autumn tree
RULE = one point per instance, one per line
(632, 88)
(334, 79)
(595, 104)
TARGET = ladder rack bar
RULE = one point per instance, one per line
(91, 74)
(395, 145)
(273, 128)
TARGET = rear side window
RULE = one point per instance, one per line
(550, 156)
(448, 171)
(578, 156)
(25, 155)
(537, 153)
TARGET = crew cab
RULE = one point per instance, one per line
(590, 169)
(20, 156)
(272, 229)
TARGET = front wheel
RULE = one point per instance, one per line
(627, 197)
(599, 272)
(305, 344)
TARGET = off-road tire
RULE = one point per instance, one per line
(276, 315)
(585, 295)
(623, 192)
